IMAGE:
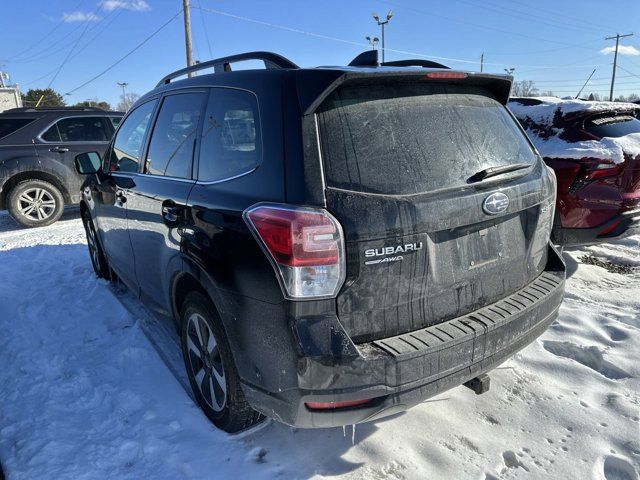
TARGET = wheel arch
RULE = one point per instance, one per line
(32, 175)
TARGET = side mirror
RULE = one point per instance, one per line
(88, 163)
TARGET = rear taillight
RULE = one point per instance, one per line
(603, 170)
(305, 246)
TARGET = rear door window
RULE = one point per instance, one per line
(415, 138)
(78, 129)
(231, 141)
(128, 143)
(174, 134)
(10, 125)
(612, 126)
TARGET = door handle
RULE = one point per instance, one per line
(170, 213)
(59, 149)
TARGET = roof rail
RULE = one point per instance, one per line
(50, 109)
(271, 61)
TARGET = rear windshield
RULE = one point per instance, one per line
(414, 138)
(10, 125)
(613, 126)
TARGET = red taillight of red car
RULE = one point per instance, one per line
(306, 246)
(334, 405)
(603, 170)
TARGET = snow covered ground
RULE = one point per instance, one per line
(84, 394)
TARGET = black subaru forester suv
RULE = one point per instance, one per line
(335, 244)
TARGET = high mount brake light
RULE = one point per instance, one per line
(304, 245)
(445, 75)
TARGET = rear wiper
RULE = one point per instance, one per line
(493, 171)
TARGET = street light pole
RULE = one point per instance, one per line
(123, 85)
(382, 24)
(373, 42)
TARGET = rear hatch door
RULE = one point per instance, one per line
(429, 236)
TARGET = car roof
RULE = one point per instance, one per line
(30, 112)
(314, 83)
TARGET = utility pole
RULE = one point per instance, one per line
(615, 60)
(381, 25)
(187, 33)
(482, 62)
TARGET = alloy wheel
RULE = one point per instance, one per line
(36, 204)
(92, 243)
(205, 362)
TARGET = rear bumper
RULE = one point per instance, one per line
(400, 372)
(620, 226)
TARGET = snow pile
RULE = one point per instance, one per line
(85, 395)
(542, 123)
(545, 112)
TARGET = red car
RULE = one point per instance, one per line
(594, 149)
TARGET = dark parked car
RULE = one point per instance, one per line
(37, 148)
(594, 149)
(335, 244)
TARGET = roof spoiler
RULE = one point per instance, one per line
(313, 92)
(369, 58)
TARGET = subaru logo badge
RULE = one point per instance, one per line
(495, 203)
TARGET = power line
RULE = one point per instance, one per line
(511, 12)
(117, 62)
(77, 53)
(47, 35)
(360, 44)
(204, 27)
(66, 59)
(625, 70)
(431, 14)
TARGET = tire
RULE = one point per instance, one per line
(96, 254)
(227, 408)
(35, 203)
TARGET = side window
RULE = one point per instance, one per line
(10, 125)
(78, 129)
(174, 134)
(128, 143)
(231, 142)
(115, 121)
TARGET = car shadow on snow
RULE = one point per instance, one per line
(269, 448)
(8, 224)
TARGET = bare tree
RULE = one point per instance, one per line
(524, 88)
(126, 101)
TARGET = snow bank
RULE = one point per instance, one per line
(545, 112)
(84, 394)
(542, 127)
(612, 149)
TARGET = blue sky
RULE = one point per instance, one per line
(555, 43)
